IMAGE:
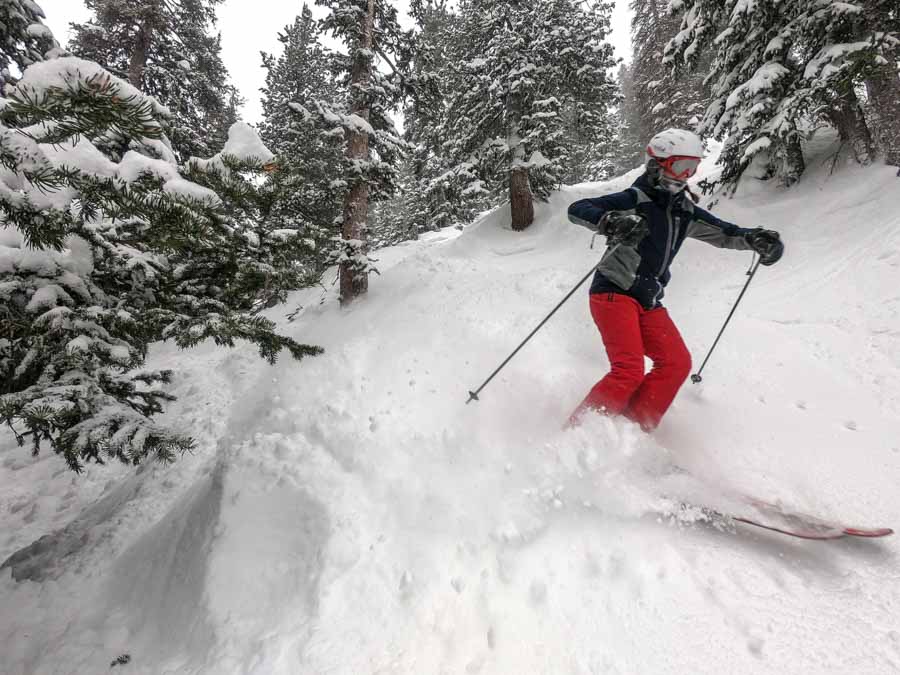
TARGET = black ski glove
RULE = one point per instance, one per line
(767, 243)
(622, 228)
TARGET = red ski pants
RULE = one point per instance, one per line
(629, 333)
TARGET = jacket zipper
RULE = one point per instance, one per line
(669, 238)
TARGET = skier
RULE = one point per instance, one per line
(645, 227)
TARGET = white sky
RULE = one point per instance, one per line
(251, 26)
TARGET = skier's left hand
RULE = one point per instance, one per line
(767, 243)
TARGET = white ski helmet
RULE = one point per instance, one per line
(677, 153)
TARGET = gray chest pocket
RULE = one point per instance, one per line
(620, 265)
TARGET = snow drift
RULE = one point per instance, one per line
(350, 514)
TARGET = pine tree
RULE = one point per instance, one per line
(521, 78)
(301, 188)
(881, 76)
(631, 142)
(432, 191)
(429, 197)
(109, 248)
(372, 145)
(783, 69)
(850, 45)
(165, 49)
(665, 98)
(753, 76)
(24, 39)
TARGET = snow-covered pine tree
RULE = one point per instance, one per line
(166, 49)
(107, 248)
(24, 39)
(372, 146)
(521, 74)
(783, 69)
(631, 140)
(429, 198)
(753, 76)
(665, 98)
(881, 76)
(849, 45)
(825, 29)
(430, 192)
(302, 192)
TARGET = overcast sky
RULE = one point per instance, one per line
(251, 26)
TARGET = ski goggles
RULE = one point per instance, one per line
(679, 167)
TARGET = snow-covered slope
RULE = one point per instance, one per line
(350, 514)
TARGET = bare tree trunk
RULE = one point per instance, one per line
(354, 272)
(850, 122)
(138, 61)
(883, 86)
(521, 200)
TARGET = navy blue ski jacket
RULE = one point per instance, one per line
(642, 271)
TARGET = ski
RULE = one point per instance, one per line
(802, 526)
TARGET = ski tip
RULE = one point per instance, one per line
(868, 533)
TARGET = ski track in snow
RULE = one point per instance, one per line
(350, 514)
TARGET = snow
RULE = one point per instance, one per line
(760, 144)
(47, 297)
(134, 164)
(833, 58)
(191, 190)
(351, 514)
(38, 30)
(81, 155)
(358, 124)
(762, 81)
(537, 160)
(245, 144)
(39, 77)
(80, 344)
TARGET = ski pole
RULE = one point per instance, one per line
(697, 378)
(473, 395)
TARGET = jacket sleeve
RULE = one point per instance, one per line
(706, 227)
(589, 212)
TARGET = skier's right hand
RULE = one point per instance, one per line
(623, 228)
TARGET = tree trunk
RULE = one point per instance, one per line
(850, 122)
(521, 200)
(354, 272)
(138, 61)
(793, 164)
(883, 86)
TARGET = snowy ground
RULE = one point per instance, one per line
(350, 514)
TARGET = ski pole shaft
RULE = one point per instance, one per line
(473, 395)
(697, 377)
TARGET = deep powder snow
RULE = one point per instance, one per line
(350, 514)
